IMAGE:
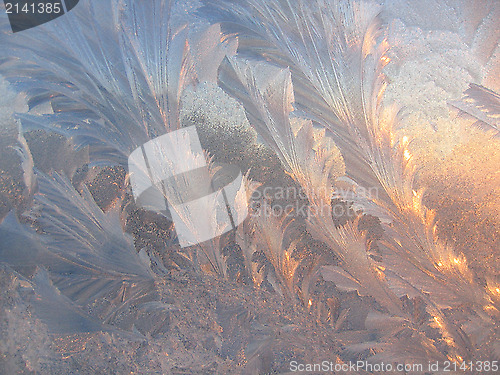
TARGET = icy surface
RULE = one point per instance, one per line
(91, 284)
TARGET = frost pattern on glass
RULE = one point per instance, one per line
(366, 134)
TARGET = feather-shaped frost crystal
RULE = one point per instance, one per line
(324, 106)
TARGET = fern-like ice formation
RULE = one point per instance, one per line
(89, 257)
(120, 72)
(336, 53)
(311, 158)
(313, 78)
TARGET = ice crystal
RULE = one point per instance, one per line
(299, 96)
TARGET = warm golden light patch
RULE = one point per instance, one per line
(407, 155)
(438, 322)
